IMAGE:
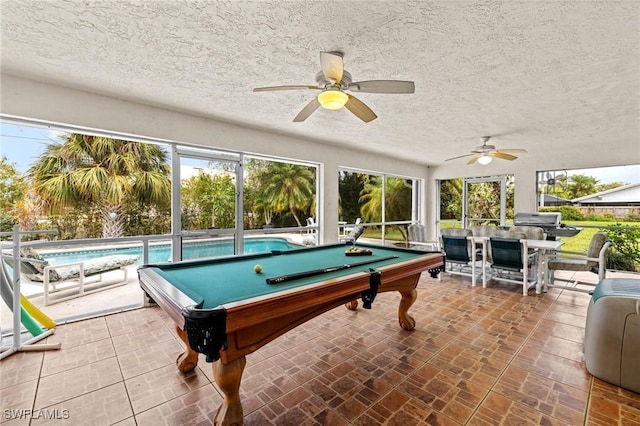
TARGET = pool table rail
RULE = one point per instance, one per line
(168, 297)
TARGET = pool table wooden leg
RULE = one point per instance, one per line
(188, 360)
(408, 298)
(228, 378)
(353, 305)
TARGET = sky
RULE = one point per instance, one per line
(22, 144)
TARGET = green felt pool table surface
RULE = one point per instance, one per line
(214, 282)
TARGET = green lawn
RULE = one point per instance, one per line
(581, 241)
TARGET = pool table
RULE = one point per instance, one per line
(224, 309)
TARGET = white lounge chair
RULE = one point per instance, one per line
(53, 276)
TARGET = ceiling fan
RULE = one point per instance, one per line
(333, 81)
(484, 153)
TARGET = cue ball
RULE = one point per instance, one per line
(257, 268)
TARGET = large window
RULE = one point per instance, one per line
(101, 195)
(85, 186)
(604, 199)
(385, 204)
(279, 194)
(583, 187)
(95, 186)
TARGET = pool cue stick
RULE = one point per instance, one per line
(305, 274)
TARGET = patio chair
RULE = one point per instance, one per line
(531, 232)
(417, 238)
(594, 260)
(53, 277)
(458, 253)
(311, 224)
(511, 261)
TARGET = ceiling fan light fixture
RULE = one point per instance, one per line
(332, 99)
(484, 159)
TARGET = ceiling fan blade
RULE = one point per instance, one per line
(273, 88)
(503, 155)
(383, 86)
(307, 111)
(474, 159)
(359, 109)
(459, 156)
(332, 66)
(515, 150)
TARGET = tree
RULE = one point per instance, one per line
(483, 200)
(255, 201)
(13, 188)
(208, 201)
(581, 185)
(290, 188)
(371, 199)
(93, 171)
(397, 196)
(607, 186)
(560, 187)
(350, 187)
(451, 199)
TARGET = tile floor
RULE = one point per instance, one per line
(477, 357)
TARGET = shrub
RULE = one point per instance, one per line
(568, 212)
(607, 217)
(633, 217)
(619, 262)
(625, 250)
(6, 222)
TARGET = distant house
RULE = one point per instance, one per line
(628, 195)
(620, 202)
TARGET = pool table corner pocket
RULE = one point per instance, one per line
(206, 330)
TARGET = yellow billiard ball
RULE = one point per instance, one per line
(257, 268)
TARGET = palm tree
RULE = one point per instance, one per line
(397, 195)
(397, 199)
(290, 187)
(255, 182)
(102, 172)
(582, 185)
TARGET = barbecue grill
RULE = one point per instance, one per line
(550, 222)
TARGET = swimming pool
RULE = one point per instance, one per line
(190, 250)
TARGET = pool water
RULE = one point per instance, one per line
(190, 250)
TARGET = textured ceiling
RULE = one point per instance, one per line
(544, 76)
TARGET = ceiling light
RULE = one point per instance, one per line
(332, 99)
(484, 159)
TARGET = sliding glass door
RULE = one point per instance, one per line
(208, 202)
